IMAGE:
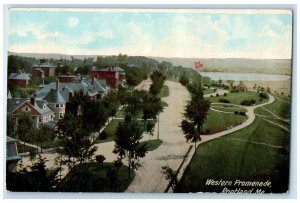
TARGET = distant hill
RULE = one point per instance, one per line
(236, 65)
(242, 65)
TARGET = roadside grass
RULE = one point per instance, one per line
(217, 122)
(246, 155)
(227, 108)
(90, 177)
(121, 113)
(237, 98)
(152, 144)
(164, 92)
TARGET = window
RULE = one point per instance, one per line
(57, 105)
(61, 105)
(61, 115)
(44, 106)
(40, 119)
(26, 109)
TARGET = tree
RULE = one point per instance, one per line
(195, 114)
(134, 102)
(128, 136)
(77, 147)
(24, 127)
(170, 175)
(36, 179)
(158, 80)
(184, 80)
(43, 134)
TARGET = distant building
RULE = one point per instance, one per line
(12, 156)
(43, 70)
(20, 79)
(241, 87)
(39, 110)
(114, 76)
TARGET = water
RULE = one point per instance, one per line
(245, 76)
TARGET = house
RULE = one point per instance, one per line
(12, 156)
(114, 76)
(42, 70)
(56, 102)
(20, 79)
(39, 110)
(92, 87)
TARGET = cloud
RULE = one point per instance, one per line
(73, 22)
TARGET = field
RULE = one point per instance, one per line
(259, 152)
(227, 108)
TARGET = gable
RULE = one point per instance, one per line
(25, 106)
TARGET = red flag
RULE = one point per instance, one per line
(198, 64)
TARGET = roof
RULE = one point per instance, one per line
(43, 66)
(10, 139)
(40, 105)
(40, 70)
(19, 76)
(11, 150)
(50, 124)
(118, 69)
(55, 96)
(14, 103)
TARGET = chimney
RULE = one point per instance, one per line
(32, 101)
(43, 82)
(57, 85)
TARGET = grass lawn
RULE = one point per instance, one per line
(227, 108)
(122, 114)
(279, 108)
(111, 130)
(217, 122)
(90, 177)
(237, 98)
(245, 155)
(208, 91)
(152, 144)
(164, 92)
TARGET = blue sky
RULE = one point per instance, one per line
(176, 33)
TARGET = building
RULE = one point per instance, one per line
(39, 110)
(92, 87)
(43, 70)
(241, 87)
(20, 79)
(56, 102)
(12, 156)
(114, 76)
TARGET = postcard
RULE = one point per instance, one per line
(149, 100)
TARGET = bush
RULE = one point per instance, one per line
(103, 135)
(224, 101)
(236, 112)
(263, 95)
(217, 94)
(225, 94)
(211, 95)
(248, 102)
(242, 113)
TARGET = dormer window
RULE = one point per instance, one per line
(26, 109)
(44, 106)
(57, 105)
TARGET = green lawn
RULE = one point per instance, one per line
(279, 108)
(164, 92)
(152, 144)
(93, 178)
(217, 122)
(208, 91)
(121, 114)
(237, 98)
(227, 108)
(244, 155)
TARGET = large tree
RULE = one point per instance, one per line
(25, 126)
(77, 147)
(128, 144)
(195, 114)
(43, 134)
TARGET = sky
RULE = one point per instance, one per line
(166, 33)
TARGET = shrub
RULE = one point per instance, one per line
(248, 102)
(211, 95)
(236, 112)
(242, 113)
(224, 101)
(217, 94)
(263, 95)
(225, 94)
